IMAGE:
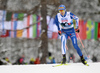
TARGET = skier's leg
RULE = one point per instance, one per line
(63, 43)
(63, 47)
(74, 42)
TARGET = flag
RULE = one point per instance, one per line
(8, 26)
(3, 15)
(92, 30)
(9, 16)
(55, 31)
(96, 30)
(6, 34)
(13, 25)
(88, 32)
(34, 26)
(48, 19)
(31, 28)
(2, 18)
(38, 26)
(28, 23)
(82, 27)
(99, 30)
(24, 26)
(54, 35)
(20, 16)
(20, 27)
(28, 32)
(50, 28)
(19, 33)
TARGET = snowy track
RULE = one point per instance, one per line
(47, 68)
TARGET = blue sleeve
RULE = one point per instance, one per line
(57, 22)
(75, 18)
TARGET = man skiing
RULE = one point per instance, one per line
(64, 22)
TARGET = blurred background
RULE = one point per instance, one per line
(28, 34)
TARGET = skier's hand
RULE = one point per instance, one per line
(59, 32)
(77, 29)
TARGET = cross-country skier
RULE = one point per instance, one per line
(64, 22)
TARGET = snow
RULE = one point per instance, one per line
(47, 68)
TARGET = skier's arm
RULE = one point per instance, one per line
(77, 21)
(75, 18)
(57, 22)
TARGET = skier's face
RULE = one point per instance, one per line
(62, 12)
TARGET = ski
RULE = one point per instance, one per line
(66, 65)
(86, 64)
(59, 65)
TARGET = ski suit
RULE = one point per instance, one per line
(65, 25)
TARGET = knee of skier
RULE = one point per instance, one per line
(76, 47)
(63, 34)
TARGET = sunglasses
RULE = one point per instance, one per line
(61, 10)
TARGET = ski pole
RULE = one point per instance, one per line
(82, 44)
(80, 40)
(66, 47)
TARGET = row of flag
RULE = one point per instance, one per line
(11, 26)
(17, 21)
(89, 29)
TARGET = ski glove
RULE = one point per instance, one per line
(59, 32)
(77, 29)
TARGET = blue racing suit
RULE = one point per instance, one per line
(65, 25)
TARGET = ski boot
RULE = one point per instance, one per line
(84, 61)
(64, 59)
